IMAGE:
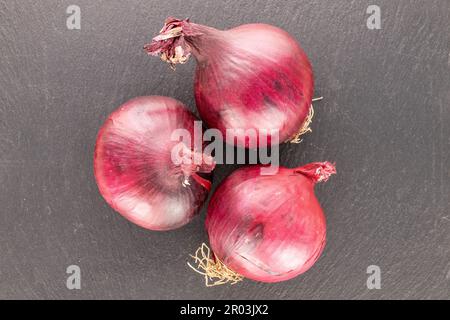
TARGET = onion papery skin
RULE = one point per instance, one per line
(252, 77)
(133, 166)
(268, 228)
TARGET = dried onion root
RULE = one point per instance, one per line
(215, 271)
(306, 127)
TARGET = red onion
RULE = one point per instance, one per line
(134, 168)
(268, 228)
(253, 77)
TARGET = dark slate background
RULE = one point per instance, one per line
(384, 121)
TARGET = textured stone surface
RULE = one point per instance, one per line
(384, 120)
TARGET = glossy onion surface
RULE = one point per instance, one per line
(268, 228)
(133, 166)
(252, 77)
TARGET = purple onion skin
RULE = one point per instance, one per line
(255, 76)
(133, 166)
(260, 78)
(268, 228)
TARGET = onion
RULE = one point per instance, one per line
(253, 77)
(134, 168)
(268, 228)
